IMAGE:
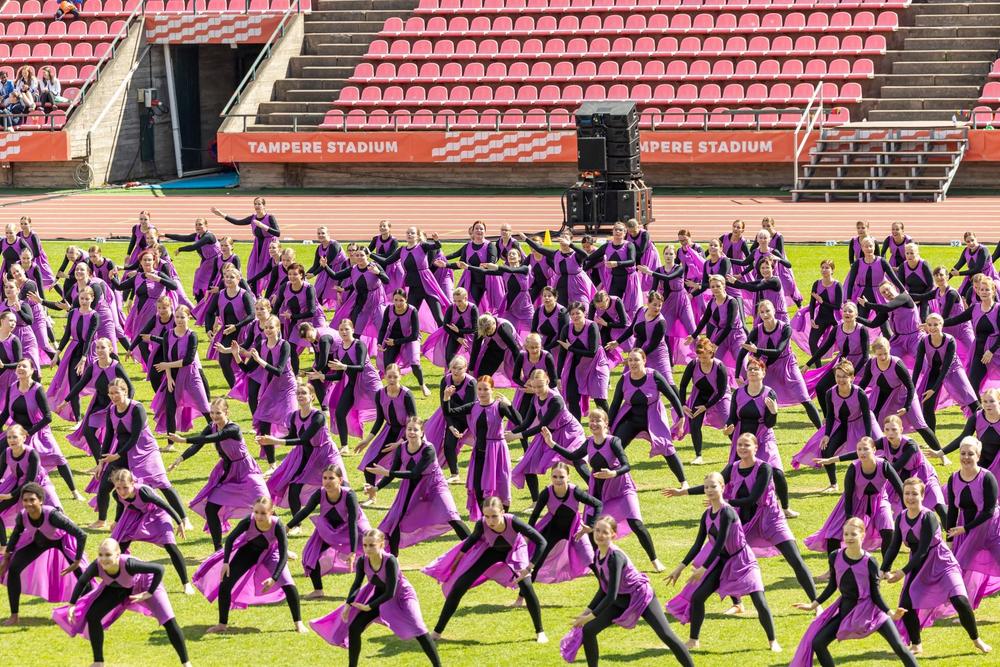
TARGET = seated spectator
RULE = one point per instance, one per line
(26, 76)
(17, 105)
(67, 8)
(49, 89)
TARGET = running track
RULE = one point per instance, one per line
(353, 217)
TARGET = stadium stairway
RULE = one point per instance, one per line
(337, 35)
(945, 57)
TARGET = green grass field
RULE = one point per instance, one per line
(484, 632)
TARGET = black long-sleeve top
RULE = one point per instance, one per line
(607, 594)
(549, 332)
(279, 365)
(638, 333)
(866, 412)
(973, 515)
(84, 334)
(707, 395)
(662, 279)
(196, 242)
(989, 438)
(768, 354)
(132, 566)
(520, 379)
(507, 336)
(852, 256)
(292, 306)
(830, 340)
(621, 271)
(734, 321)
(57, 520)
(100, 399)
(332, 250)
(889, 274)
(332, 517)
(581, 497)
(168, 353)
(229, 313)
(411, 272)
(615, 316)
(520, 527)
(258, 233)
(413, 471)
(726, 520)
(825, 313)
(385, 587)
(980, 256)
(919, 548)
(30, 474)
(987, 326)
(586, 345)
(260, 543)
(18, 412)
(748, 418)
(746, 498)
(639, 406)
(937, 372)
(409, 406)
(395, 330)
(883, 310)
(127, 437)
(849, 586)
(904, 377)
(149, 496)
(551, 407)
(230, 431)
(855, 477)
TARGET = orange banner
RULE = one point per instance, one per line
(984, 146)
(491, 147)
(206, 28)
(34, 147)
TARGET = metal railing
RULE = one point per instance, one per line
(809, 118)
(49, 122)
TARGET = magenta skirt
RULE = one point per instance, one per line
(157, 607)
(785, 378)
(445, 570)
(495, 480)
(434, 347)
(937, 581)
(766, 530)
(860, 622)
(877, 517)
(569, 559)
(429, 514)
(235, 493)
(309, 475)
(249, 590)
(332, 559)
(539, 457)
(812, 448)
(401, 615)
(740, 576)
(153, 526)
(978, 554)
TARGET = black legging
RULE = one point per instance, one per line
(108, 599)
(67, 476)
(171, 406)
(837, 438)
(817, 337)
(790, 551)
(344, 404)
(911, 619)
(490, 558)
(393, 434)
(394, 535)
(176, 559)
(244, 560)
(709, 584)
(780, 486)
(415, 296)
(24, 557)
(389, 356)
(530, 480)
(263, 428)
(812, 413)
(697, 438)
(366, 618)
(628, 429)
(821, 642)
(214, 524)
(653, 615)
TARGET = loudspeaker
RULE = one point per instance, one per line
(623, 134)
(591, 154)
(625, 204)
(623, 165)
(608, 114)
(628, 148)
(584, 206)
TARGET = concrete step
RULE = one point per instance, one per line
(283, 128)
(345, 57)
(928, 8)
(352, 15)
(941, 56)
(929, 91)
(327, 27)
(396, 5)
(951, 44)
(908, 115)
(320, 73)
(950, 104)
(305, 95)
(299, 62)
(294, 107)
(951, 19)
(944, 79)
(930, 68)
(960, 31)
(330, 85)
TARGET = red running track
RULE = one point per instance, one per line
(353, 217)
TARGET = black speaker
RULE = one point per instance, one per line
(584, 205)
(623, 165)
(625, 204)
(622, 134)
(591, 154)
(623, 148)
(608, 114)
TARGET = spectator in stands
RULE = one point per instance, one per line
(18, 104)
(6, 86)
(49, 89)
(26, 77)
(68, 8)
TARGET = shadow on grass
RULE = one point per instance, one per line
(27, 622)
(197, 633)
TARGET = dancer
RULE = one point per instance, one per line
(783, 268)
(940, 377)
(322, 340)
(814, 325)
(516, 306)
(915, 274)
(19, 465)
(394, 407)
(142, 516)
(984, 424)
(387, 598)
(723, 563)
(983, 315)
(975, 259)
(399, 339)
(734, 244)
(137, 239)
(125, 584)
(908, 461)
(385, 244)
(183, 393)
(486, 291)
(439, 425)
(39, 259)
(227, 314)
(708, 400)
(767, 287)
(572, 282)
(295, 302)
(206, 245)
(637, 411)
(609, 314)
(610, 481)
(24, 318)
(456, 334)
(251, 569)
(264, 227)
(496, 550)
(489, 465)
(313, 451)
(944, 300)
(550, 319)
(849, 341)
(144, 350)
(145, 287)
(689, 255)
(899, 310)
(770, 340)
(494, 349)
(857, 613)
(44, 549)
(234, 483)
(617, 260)
(894, 246)
(568, 553)
(623, 597)
(932, 578)
(338, 528)
(10, 355)
(423, 507)
(365, 300)
(41, 325)
(677, 309)
(423, 291)
(854, 245)
(531, 357)
(868, 272)
(585, 369)
(866, 485)
(355, 385)
(330, 253)
(649, 334)
(722, 323)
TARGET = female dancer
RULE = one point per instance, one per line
(356, 383)
(849, 341)
(296, 302)
(708, 401)
(330, 253)
(267, 367)
(365, 301)
(456, 334)
(734, 244)
(496, 550)
(44, 549)
(676, 309)
(322, 341)
(722, 323)
(623, 597)
(228, 312)
(148, 353)
(899, 310)
(489, 465)
(439, 425)
(251, 569)
(610, 481)
(19, 465)
(39, 259)
(985, 319)
(550, 319)
(572, 282)
(183, 393)
(689, 255)
(617, 260)
(206, 245)
(11, 246)
(868, 272)
(547, 409)
(272, 272)
(125, 584)
(715, 264)
(422, 289)
(129, 443)
(394, 407)
(908, 461)
(975, 259)
(531, 357)
(516, 305)
(506, 242)
(940, 377)
(848, 417)
(854, 250)
(783, 269)
(894, 246)
(649, 334)
(860, 610)
(338, 528)
(301, 472)
(723, 563)
(103, 301)
(608, 313)
(585, 369)
(264, 227)
(814, 325)
(385, 244)
(770, 340)
(10, 354)
(944, 300)
(915, 274)
(932, 578)
(866, 485)
(41, 324)
(24, 318)
(974, 523)
(637, 411)
(146, 287)
(399, 339)
(567, 554)
(142, 516)
(67, 270)
(235, 481)
(494, 349)
(423, 507)
(750, 490)
(984, 424)
(387, 598)
(486, 291)
(767, 287)
(137, 239)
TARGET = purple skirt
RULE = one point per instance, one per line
(519, 314)
(621, 501)
(363, 407)
(495, 480)
(291, 470)
(767, 447)
(955, 389)
(249, 589)
(401, 614)
(740, 576)
(539, 457)
(788, 286)
(766, 530)
(444, 567)
(333, 558)
(785, 378)
(429, 514)
(190, 395)
(43, 577)
(153, 526)
(812, 449)
(978, 554)
(7, 484)
(913, 420)
(95, 419)
(45, 445)
(59, 386)
(369, 318)
(716, 417)
(864, 619)
(407, 358)
(931, 589)
(569, 559)
(275, 402)
(157, 607)
(235, 492)
(436, 291)
(435, 344)
(877, 516)
(905, 346)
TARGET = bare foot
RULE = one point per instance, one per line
(13, 620)
(295, 531)
(168, 448)
(301, 628)
(685, 485)
(790, 513)
(916, 649)
(314, 595)
(542, 638)
(833, 488)
(292, 555)
(188, 589)
(944, 460)
(819, 609)
(698, 461)
(187, 524)
(425, 390)
(93, 664)
(658, 566)
(367, 503)
(98, 525)
(692, 644)
(981, 645)
(775, 647)
(735, 610)
(822, 577)
(518, 602)
(217, 629)
(454, 479)
(436, 636)
(79, 497)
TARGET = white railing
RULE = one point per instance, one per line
(810, 118)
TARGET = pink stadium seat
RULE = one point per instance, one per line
(561, 119)
(510, 47)
(841, 21)
(37, 29)
(710, 92)
(394, 25)
(700, 69)
(518, 71)
(482, 94)
(851, 92)
(21, 51)
(11, 8)
(818, 21)
(703, 23)
(658, 23)
(549, 94)
(504, 94)
(641, 92)
(569, 24)
(749, 22)
(635, 22)
(723, 69)
(97, 29)
(608, 69)
(771, 22)
(407, 71)
(792, 69)
(401, 47)
(385, 72)
(618, 92)
(982, 116)
(31, 7)
(378, 47)
(804, 45)
(780, 93)
(746, 69)
(719, 118)
(864, 21)
(546, 25)
(802, 92)
(572, 93)
(681, 23)
(62, 51)
(595, 91)
(726, 23)
(495, 71)
(631, 69)
(67, 73)
(349, 94)
(888, 20)
(364, 71)
(862, 67)
(665, 92)
(586, 69)
(527, 94)
(756, 93)
(733, 94)
(460, 94)
(687, 93)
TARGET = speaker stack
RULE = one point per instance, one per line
(610, 187)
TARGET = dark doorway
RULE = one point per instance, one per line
(188, 104)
